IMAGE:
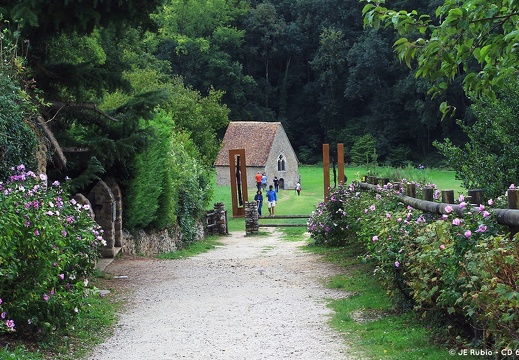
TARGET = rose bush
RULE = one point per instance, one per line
(48, 249)
(334, 222)
(462, 264)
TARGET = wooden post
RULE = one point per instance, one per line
(326, 170)
(340, 163)
(383, 181)
(475, 196)
(448, 196)
(513, 203)
(410, 190)
(427, 194)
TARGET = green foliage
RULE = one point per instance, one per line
(170, 186)
(199, 116)
(463, 34)
(49, 248)
(18, 140)
(334, 221)
(364, 150)
(461, 264)
(488, 161)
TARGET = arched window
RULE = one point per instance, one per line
(282, 163)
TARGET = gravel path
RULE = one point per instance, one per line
(252, 298)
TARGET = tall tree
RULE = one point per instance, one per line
(75, 56)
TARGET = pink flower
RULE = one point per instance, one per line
(486, 214)
(46, 297)
(442, 247)
(512, 186)
(388, 215)
(468, 234)
(10, 324)
(36, 232)
(375, 238)
(62, 276)
(397, 264)
(448, 209)
(482, 228)
(490, 202)
(461, 198)
(3, 315)
(456, 222)
(372, 208)
(463, 204)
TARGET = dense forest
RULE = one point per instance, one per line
(314, 67)
(309, 64)
(97, 88)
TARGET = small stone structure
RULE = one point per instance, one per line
(102, 201)
(118, 223)
(251, 218)
(216, 220)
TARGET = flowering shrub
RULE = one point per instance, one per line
(6, 324)
(461, 263)
(49, 248)
(334, 222)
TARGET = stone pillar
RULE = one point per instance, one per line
(118, 224)
(221, 218)
(103, 204)
(251, 218)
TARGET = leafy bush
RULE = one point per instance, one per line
(170, 187)
(48, 250)
(489, 160)
(334, 221)
(461, 264)
(364, 150)
(17, 139)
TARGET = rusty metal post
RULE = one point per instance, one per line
(238, 211)
(340, 163)
(326, 170)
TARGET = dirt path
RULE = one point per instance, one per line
(252, 298)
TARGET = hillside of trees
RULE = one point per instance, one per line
(87, 86)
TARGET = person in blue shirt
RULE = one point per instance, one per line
(259, 201)
(264, 182)
(271, 198)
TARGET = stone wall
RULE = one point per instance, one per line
(251, 218)
(149, 243)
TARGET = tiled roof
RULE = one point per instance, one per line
(253, 136)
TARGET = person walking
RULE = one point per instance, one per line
(276, 183)
(264, 181)
(298, 189)
(258, 178)
(259, 201)
(271, 198)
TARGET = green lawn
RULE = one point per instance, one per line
(312, 179)
(312, 192)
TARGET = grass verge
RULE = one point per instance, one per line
(368, 318)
